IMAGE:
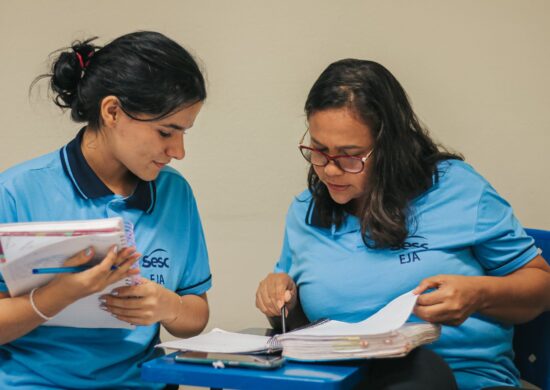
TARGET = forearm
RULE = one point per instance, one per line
(516, 298)
(17, 317)
(190, 315)
(295, 319)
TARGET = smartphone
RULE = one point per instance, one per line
(221, 360)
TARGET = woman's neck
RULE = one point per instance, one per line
(111, 172)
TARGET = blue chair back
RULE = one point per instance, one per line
(532, 340)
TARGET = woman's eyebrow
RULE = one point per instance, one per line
(343, 147)
(173, 126)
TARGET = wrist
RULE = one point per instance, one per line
(35, 308)
(60, 293)
(483, 292)
(47, 301)
(174, 304)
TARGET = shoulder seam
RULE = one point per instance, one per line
(8, 193)
(476, 223)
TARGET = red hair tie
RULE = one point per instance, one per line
(83, 65)
(80, 60)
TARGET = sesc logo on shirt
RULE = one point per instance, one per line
(411, 249)
(157, 264)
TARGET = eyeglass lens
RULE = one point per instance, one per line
(348, 164)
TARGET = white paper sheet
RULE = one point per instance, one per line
(390, 317)
(218, 340)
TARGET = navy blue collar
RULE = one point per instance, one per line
(89, 186)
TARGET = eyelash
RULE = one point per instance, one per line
(164, 134)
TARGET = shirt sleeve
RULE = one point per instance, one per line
(197, 278)
(285, 260)
(501, 244)
(7, 215)
(293, 228)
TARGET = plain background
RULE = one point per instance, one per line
(476, 72)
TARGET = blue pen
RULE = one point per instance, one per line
(65, 270)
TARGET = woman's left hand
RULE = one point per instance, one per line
(452, 301)
(143, 304)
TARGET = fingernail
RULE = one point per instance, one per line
(102, 300)
(115, 293)
(88, 251)
(115, 249)
(103, 307)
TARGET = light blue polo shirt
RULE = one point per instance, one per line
(168, 232)
(461, 226)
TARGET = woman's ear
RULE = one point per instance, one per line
(110, 110)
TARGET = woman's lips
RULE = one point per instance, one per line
(337, 187)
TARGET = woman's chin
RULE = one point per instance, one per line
(340, 198)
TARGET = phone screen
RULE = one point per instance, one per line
(221, 360)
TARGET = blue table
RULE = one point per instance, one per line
(290, 376)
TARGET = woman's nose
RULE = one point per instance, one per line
(332, 169)
(176, 148)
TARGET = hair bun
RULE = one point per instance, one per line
(83, 53)
(68, 69)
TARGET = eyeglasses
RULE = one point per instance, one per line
(349, 164)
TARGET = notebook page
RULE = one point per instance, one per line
(17, 271)
(21, 246)
(218, 340)
(390, 317)
(85, 313)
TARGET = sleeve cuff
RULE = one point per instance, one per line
(522, 259)
(197, 288)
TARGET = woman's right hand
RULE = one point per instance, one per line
(114, 267)
(276, 290)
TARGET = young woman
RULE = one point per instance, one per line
(137, 96)
(387, 211)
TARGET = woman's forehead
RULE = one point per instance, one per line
(339, 128)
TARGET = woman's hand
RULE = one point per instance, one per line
(114, 267)
(143, 304)
(275, 291)
(452, 301)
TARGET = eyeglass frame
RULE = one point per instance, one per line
(330, 158)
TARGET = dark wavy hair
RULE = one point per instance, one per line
(404, 161)
(148, 72)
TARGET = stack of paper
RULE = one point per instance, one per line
(392, 344)
(385, 334)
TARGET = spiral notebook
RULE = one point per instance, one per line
(29, 245)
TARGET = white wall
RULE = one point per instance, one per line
(476, 71)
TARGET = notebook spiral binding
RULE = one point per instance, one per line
(275, 345)
(130, 240)
(129, 233)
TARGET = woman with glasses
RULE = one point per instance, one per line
(388, 211)
(137, 96)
